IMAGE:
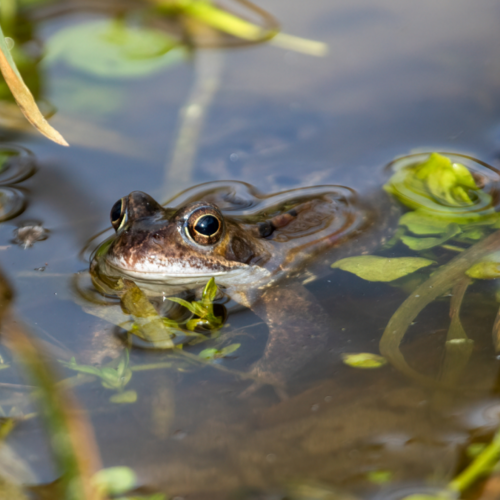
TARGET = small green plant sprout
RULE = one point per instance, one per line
(364, 360)
(114, 378)
(214, 354)
(375, 268)
(114, 481)
(203, 310)
(449, 197)
(120, 480)
(435, 185)
(379, 476)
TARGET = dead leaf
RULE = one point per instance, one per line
(23, 96)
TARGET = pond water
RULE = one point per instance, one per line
(399, 77)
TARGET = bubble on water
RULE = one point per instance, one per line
(12, 203)
(16, 164)
(9, 42)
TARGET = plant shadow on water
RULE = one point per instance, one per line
(194, 405)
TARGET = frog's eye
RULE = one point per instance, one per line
(118, 214)
(205, 226)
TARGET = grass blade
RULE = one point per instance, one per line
(71, 437)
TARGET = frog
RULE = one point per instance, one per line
(262, 249)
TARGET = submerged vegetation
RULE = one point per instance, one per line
(115, 49)
(456, 204)
(447, 238)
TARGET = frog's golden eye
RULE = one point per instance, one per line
(205, 226)
(118, 214)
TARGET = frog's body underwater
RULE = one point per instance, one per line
(259, 249)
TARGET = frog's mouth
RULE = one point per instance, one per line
(187, 273)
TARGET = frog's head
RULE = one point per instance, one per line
(226, 230)
(184, 246)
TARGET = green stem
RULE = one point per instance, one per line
(481, 466)
(309, 47)
(233, 25)
(225, 21)
(442, 280)
(453, 248)
(71, 437)
(151, 366)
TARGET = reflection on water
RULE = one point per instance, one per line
(399, 77)
(17, 164)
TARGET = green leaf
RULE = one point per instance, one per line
(115, 480)
(212, 354)
(440, 187)
(209, 354)
(194, 323)
(365, 360)
(111, 378)
(180, 301)
(226, 351)
(446, 180)
(170, 323)
(375, 268)
(210, 291)
(474, 234)
(202, 309)
(379, 476)
(124, 397)
(110, 48)
(193, 307)
(89, 370)
(484, 271)
(420, 222)
(426, 243)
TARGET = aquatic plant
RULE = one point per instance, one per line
(450, 201)
(115, 49)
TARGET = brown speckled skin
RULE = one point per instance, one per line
(315, 233)
(154, 232)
